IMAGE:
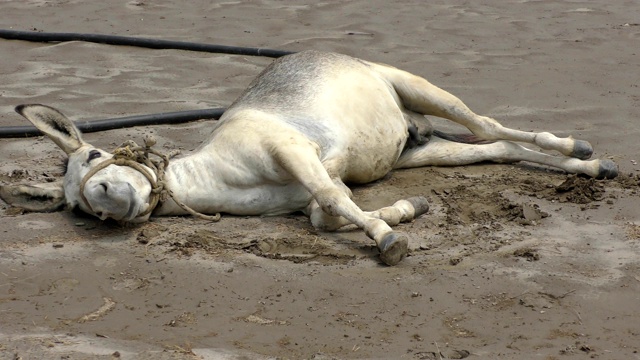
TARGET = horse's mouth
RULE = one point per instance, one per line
(132, 212)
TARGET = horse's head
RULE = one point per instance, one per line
(118, 192)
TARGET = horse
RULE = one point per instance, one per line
(308, 125)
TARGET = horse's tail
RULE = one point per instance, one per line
(462, 138)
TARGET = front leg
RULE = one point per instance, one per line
(300, 158)
(400, 211)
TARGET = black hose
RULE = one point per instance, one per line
(139, 120)
(138, 42)
(117, 123)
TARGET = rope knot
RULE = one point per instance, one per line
(124, 152)
(149, 141)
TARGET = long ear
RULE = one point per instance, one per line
(40, 198)
(53, 124)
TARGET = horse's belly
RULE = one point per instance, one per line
(271, 200)
(376, 139)
(364, 168)
(374, 152)
(365, 162)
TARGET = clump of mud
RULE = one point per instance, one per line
(580, 190)
(528, 253)
(628, 181)
(15, 175)
(28, 176)
(574, 189)
(466, 206)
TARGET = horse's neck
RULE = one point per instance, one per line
(193, 179)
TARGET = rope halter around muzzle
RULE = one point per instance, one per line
(134, 156)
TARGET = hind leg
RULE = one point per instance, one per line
(440, 152)
(421, 96)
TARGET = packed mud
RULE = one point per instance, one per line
(511, 261)
(504, 247)
(480, 213)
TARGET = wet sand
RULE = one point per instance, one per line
(485, 279)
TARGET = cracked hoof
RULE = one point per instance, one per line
(607, 170)
(581, 150)
(393, 248)
(420, 204)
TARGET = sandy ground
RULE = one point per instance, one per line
(512, 262)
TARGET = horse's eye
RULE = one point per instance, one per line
(93, 154)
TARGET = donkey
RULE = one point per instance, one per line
(309, 124)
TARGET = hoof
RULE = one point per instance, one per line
(608, 170)
(420, 204)
(393, 248)
(581, 150)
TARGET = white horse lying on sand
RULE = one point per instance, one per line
(310, 123)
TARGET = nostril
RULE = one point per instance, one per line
(99, 214)
(105, 187)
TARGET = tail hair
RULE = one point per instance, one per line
(462, 138)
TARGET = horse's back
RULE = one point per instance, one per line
(339, 102)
